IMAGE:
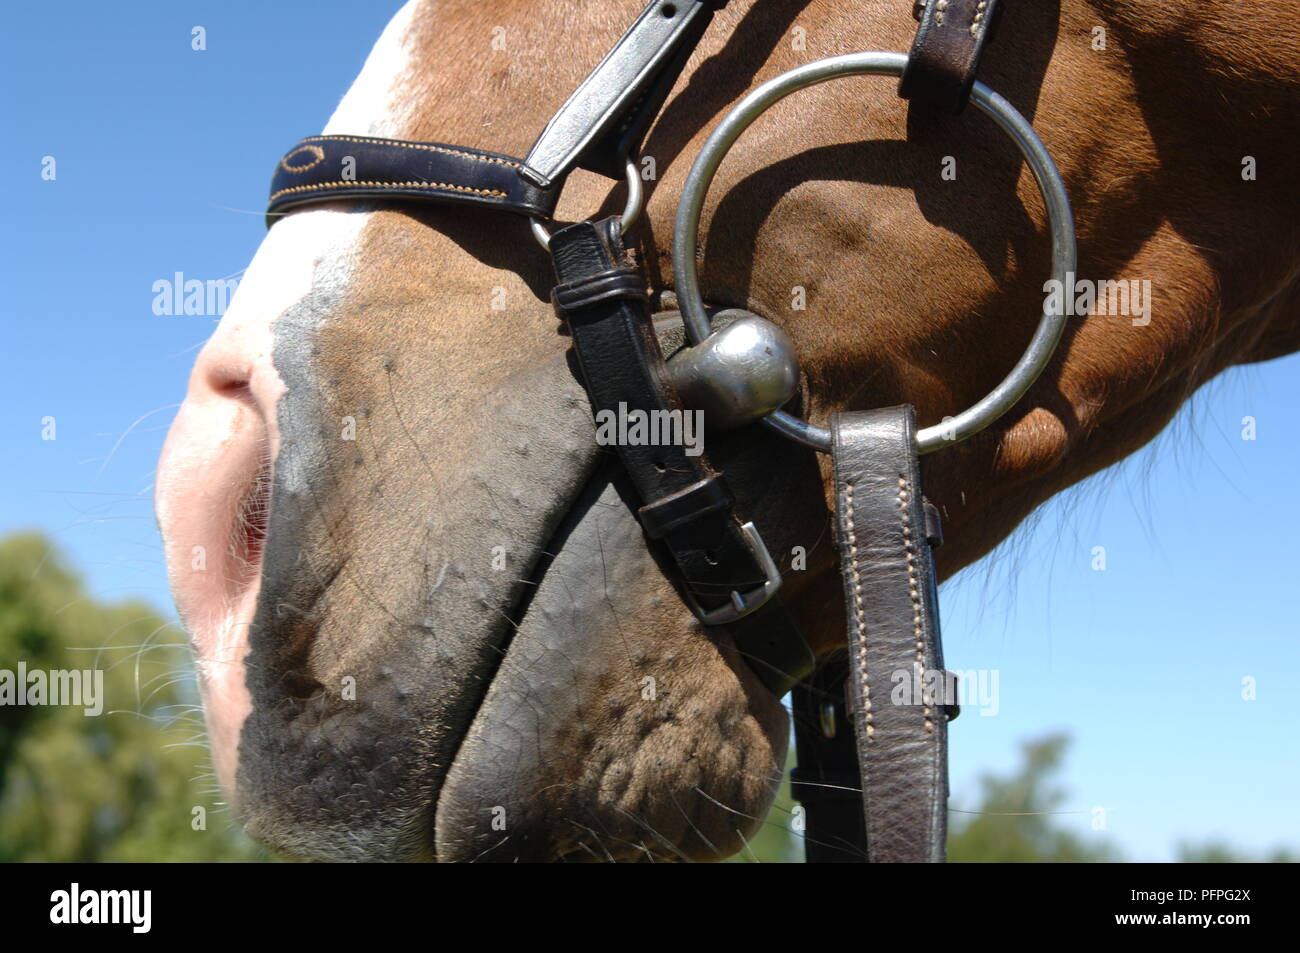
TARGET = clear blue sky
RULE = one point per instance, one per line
(155, 144)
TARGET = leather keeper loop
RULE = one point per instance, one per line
(685, 506)
(933, 525)
(612, 284)
(945, 57)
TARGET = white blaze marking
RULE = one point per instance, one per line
(311, 253)
(377, 104)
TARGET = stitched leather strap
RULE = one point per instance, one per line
(897, 684)
(607, 116)
(603, 121)
(325, 168)
(946, 53)
(687, 504)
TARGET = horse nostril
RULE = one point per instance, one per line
(231, 387)
(227, 370)
(225, 382)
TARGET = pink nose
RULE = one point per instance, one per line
(212, 499)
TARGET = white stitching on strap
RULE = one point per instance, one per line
(859, 613)
(445, 186)
(914, 591)
(415, 145)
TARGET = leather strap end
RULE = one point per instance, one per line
(773, 645)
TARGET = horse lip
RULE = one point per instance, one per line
(534, 627)
(511, 619)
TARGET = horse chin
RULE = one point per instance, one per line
(615, 728)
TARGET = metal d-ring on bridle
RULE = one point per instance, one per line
(686, 230)
(631, 208)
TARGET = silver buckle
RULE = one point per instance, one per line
(742, 604)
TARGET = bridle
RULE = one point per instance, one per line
(740, 369)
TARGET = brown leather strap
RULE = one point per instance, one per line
(946, 54)
(897, 684)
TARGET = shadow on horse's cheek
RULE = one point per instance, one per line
(613, 729)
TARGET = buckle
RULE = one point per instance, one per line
(742, 604)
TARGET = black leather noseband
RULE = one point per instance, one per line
(322, 168)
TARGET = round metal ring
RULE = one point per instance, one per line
(631, 208)
(686, 229)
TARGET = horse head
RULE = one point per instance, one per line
(430, 626)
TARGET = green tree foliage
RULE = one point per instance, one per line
(120, 786)
(1218, 853)
(1020, 818)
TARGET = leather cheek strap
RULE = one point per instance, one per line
(946, 54)
(687, 506)
(896, 681)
